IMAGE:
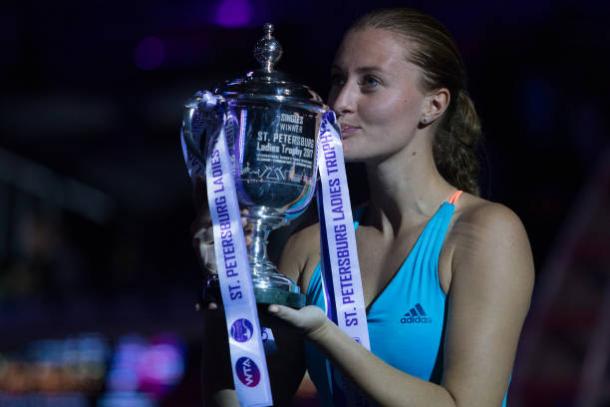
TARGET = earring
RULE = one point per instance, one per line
(425, 120)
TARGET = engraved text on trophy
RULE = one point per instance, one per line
(278, 155)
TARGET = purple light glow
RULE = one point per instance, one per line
(234, 13)
(149, 54)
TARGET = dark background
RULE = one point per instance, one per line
(95, 201)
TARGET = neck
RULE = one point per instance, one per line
(405, 189)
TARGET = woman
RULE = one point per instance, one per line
(399, 94)
(447, 281)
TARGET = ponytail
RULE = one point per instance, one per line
(455, 145)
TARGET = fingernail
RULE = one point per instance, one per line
(274, 308)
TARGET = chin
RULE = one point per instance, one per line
(350, 153)
(362, 152)
(357, 158)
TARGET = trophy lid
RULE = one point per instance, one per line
(267, 85)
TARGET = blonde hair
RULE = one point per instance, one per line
(459, 133)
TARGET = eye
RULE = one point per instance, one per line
(369, 82)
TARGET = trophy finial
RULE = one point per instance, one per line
(268, 50)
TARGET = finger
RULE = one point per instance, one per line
(208, 256)
(248, 227)
(285, 313)
(245, 219)
(204, 235)
(212, 306)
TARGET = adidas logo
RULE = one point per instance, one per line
(416, 315)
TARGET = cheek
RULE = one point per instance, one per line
(390, 111)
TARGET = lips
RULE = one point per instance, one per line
(348, 129)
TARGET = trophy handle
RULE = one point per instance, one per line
(202, 119)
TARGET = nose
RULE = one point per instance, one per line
(342, 99)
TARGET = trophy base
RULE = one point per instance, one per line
(263, 295)
(272, 295)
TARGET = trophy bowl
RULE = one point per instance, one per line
(271, 125)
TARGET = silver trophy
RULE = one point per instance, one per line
(271, 125)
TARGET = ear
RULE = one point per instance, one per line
(435, 104)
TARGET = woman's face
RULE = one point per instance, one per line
(375, 94)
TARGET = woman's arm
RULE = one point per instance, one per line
(489, 298)
(492, 279)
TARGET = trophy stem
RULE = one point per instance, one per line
(258, 250)
(270, 286)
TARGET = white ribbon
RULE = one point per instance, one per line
(248, 361)
(340, 267)
(339, 240)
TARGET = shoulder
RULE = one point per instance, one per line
(490, 241)
(487, 224)
(301, 253)
(481, 212)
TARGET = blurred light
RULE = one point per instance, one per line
(151, 367)
(122, 375)
(41, 182)
(73, 365)
(140, 374)
(234, 13)
(160, 367)
(150, 53)
(126, 399)
(46, 400)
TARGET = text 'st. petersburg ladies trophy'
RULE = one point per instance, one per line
(271, 126)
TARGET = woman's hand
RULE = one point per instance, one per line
(310, 320)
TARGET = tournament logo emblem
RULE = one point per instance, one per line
(242, 330)
(247, 372)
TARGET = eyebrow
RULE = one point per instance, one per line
(359, 70)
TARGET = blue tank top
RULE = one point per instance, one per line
(406, 319)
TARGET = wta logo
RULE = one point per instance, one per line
(247, 372)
